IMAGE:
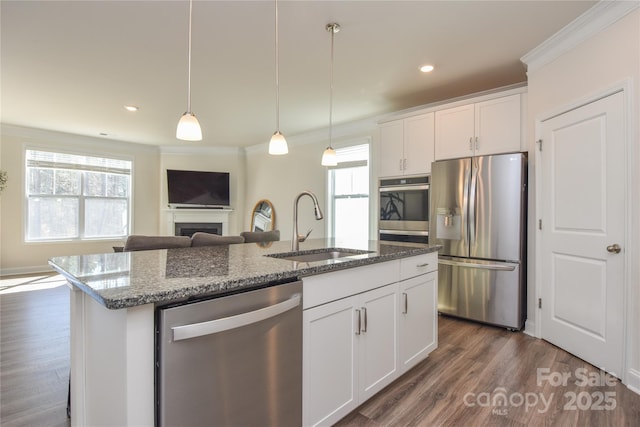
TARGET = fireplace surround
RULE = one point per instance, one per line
(185, 222)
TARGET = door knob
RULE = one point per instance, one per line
(614, 249)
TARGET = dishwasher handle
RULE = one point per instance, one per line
(220, 325)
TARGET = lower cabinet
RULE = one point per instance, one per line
(351, 353)
(362, 329)
(418, 319)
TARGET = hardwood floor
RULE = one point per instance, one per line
(460, 384)
(34, 351)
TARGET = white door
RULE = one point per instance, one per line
(582, 165)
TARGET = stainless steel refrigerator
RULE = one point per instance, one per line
(478, 215)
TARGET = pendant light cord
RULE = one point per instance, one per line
(277, 74)
(189, 66)
(333, 31)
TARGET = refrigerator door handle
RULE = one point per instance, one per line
(499, 267)
(466, 211)
(473, 193)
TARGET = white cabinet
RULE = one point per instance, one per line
(418, 319)
(350, 353)
(418, 309)
(362, 328)
(407, 146)
(378, 340)
(487, 127)
(329, 362)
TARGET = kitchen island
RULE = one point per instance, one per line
(114, 298)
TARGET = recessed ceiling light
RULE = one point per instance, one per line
(131, 108)
(426, 68)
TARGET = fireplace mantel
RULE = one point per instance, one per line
(174, 216)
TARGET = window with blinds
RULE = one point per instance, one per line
(348, 184)
(76, 197)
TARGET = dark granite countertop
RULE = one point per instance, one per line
(129, 279)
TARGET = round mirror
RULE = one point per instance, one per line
(263, 216)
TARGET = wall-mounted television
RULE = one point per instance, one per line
(198, 189)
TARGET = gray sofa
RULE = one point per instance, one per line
(138, 242)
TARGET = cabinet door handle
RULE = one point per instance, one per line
(404, 165)
(426, 264)
(406, 303)
(359, 322)
(364, 312)
(400, 165)
(477, 144)
(471, 144)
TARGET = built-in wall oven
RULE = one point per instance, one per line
(404, 209)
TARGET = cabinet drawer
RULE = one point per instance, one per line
(327, 287)
(417, 265)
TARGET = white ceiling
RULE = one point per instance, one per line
(71, 65)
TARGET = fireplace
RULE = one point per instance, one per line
(185, 222)
(188, 228)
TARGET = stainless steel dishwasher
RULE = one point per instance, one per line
(231, 361)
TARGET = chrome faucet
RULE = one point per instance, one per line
(295, 242)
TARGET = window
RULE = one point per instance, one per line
(349, 194)
(75, 197)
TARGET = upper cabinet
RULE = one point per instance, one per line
(407, 146)
(487, 127)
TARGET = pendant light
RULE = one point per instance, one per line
(277, 145)
(329, 157)
(188, 127)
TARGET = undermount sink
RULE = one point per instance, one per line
(314, 255)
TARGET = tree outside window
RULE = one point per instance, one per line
(75, 197)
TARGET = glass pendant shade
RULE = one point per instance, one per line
(189, 128)
(278, 145)
(329, 157)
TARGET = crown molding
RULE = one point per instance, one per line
(484, 95)
(39, 136)
(600, 16)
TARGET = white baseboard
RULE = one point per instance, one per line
(633, 380)
(530, 328)
(37, 269)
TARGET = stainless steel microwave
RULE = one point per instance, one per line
(404, 209)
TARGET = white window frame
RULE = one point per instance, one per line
(82, 198)
(330, 189)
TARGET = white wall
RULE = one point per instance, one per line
(281, 178)
(16, 256)
(210, 159)
(601, 62)
(254, 175)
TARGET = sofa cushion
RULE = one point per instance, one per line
(141, 243)
(261, 236)
(200, 238)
